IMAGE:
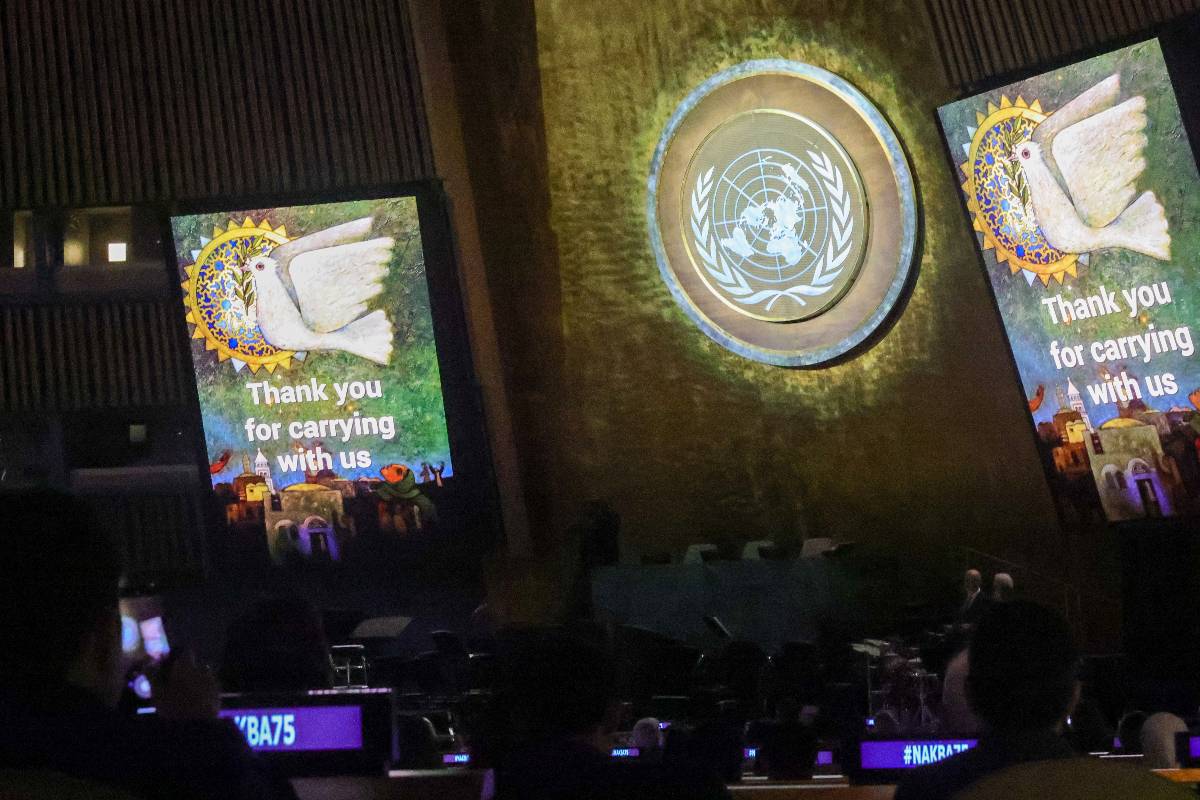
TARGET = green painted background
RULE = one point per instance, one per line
(920, 442)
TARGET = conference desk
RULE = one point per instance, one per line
(1180, 775)
(817, 789)
(445, 784)
(466, 784)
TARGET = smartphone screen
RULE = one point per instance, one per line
(154, 638)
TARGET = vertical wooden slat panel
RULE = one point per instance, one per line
(174, 356)
(110, 102)
(7, 168)
(406, 82)
(71, 345)
(181, 105)
(146, 127)
(56, 37)
(321, 66)
(29, 333)
(6, 364)
(313, 88)
(33, 117)
(92, 158)
(369, 136)
(112, 142)
(87, 360)
(981, 40)
(139, 377)
(158, 366)
(350, 102)
(17, 339)
(55, 348)
(115, 355)
(129, 345)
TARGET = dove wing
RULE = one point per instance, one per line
(339, 234)
(334, 284)
(1101, 96)
(1100, 160)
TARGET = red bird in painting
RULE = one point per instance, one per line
(222, 460)
(1195, 398)
(1035, 402)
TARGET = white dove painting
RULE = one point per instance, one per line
(312, 292)
(1082, 165)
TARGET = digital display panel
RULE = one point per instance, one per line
(312, 728)
(910, 753)
(1083, 193)
(313, 347)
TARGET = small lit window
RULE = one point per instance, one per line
(97, 236)
(22, 239)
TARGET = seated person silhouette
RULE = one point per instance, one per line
(60, 674)
(789, 747)
(1021, 684)
(555, 700)
(277, 645)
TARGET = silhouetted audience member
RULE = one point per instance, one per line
(1021, 684)
(1089, 731)
(648, 738)
(975, 601)
(554, 698)
(60, 672)
(1129, 731)
(788, 746)
(1158, 740)
(1002, 587)
(278, 645)
(957, 715)
(715, 746)
(417, 741)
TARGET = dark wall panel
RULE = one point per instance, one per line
(124, 101)
(112, 354)
(983, 39)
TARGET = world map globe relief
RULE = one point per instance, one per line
(771, 216)
(777, 214)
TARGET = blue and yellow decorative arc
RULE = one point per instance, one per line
(219, 296)
(998, 199)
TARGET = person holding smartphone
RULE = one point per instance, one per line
(61, 674)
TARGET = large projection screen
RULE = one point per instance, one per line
(1083, 193)
(313, 346)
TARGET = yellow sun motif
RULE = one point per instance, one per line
(998, 197)
(219, 297)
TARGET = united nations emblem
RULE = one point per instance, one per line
(782, 213)
(776, 228)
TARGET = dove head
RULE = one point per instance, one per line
(260, 266)
(1026, 151)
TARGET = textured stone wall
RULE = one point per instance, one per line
(921, 442)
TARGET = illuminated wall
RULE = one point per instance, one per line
(921, 440)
